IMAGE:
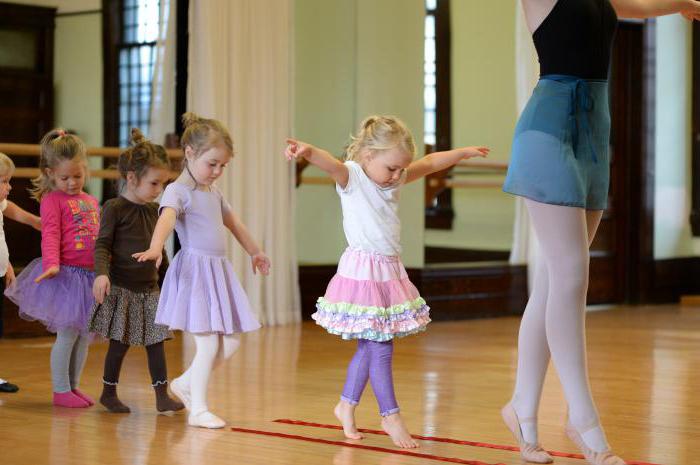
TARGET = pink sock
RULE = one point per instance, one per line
(83, 396)
(68, 399)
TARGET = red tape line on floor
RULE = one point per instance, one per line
(362, 446)
(446, 440)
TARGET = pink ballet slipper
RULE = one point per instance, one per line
(68, 399)
(529, 452)
(594, 458)
(83, 396)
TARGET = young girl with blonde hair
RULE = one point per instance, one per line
(371, 299)
(201, 293)
(56, 289)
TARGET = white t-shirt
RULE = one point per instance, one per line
(370, 213)
(4, 253)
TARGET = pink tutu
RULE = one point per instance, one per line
(371, 297)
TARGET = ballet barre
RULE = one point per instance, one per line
(34, 150)
(103, 152)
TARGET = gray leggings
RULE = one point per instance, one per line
(68, 356)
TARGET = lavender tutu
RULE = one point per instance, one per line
(61, 302)
(201, 294)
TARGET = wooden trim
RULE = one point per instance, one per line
(181, 62)
(477, 291)
(443, 84)
(674, 278)
(440, 215)
(641, 284)
(34, 150)
(435, 255)
(695, 134)
(111, 36)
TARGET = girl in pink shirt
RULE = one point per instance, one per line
(56, 289)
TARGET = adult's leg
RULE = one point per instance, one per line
(533, 356)
(563, 234)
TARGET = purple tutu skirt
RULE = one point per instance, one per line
(371, 297)
(61, 302)
(201, 294)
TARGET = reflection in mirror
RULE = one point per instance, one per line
(469, 95)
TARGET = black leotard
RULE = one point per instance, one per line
(576, 39)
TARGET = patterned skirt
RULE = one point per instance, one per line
(371, 297)
(129, 317)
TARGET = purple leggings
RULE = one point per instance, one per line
(372, 361)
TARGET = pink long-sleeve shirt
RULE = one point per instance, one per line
(69, 227)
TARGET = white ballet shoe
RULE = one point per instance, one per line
(205, 419)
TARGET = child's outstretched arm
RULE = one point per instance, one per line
(318, 157)
(439, 161)
(17, 213)
(164, 227)
(259, 260)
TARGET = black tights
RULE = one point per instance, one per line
(156, 362)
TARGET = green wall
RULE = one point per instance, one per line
(354, 58)
(483, 113)
(672, 179)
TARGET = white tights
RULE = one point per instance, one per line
(554, 320)
(209, 354)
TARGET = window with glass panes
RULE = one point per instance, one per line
(429, 92)
(136, 58)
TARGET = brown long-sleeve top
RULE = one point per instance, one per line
(126, 228)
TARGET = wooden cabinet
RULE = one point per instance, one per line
(26, 113)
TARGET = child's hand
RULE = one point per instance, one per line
(260, 263)
(296, 148)
(48, 274)
(150, 254)
(101, 288)
(472, 152)
(9, 275)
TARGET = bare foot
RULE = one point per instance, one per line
(345, 413)
(394, 426)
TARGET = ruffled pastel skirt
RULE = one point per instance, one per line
(370, 297)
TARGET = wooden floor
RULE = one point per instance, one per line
(451, 382)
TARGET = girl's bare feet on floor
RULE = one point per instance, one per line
(394, 426)
(345, 413)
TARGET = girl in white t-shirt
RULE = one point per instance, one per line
(12, 211)
(371, 298)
